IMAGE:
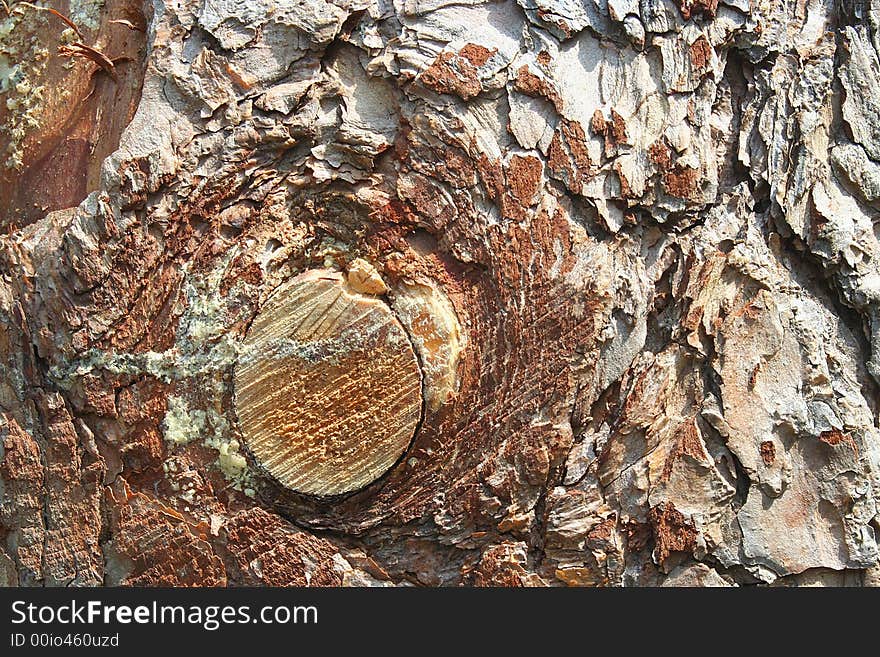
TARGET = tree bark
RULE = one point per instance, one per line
(628, 251)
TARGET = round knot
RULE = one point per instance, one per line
(328, 389)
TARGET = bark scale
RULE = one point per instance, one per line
(633, 247)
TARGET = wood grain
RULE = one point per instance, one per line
(328, 390)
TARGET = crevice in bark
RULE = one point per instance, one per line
(810, 271)
(735, 85)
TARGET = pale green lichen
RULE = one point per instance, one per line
(8, 74)
(169, 467)
(205, 307)
(86, 13)
(26, 37)
(203, 352)
(181, 424)
(232, 463)
(23, 61)
(202, 349)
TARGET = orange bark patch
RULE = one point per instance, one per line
(557, 160)
(753, 377)
(673, 532)
(701, 53)
(476, 54)
(21, 514)
(156, 546)
(94, 396)
(457, 168)
(618, 127)
(625, 189)
(614, 130)
(576, 140)
(687, 442)
(524, 177)
(603, 532)
(568, 158)
(768, 452)
(501, 565)
(659, 154)
(142, 406)
(531, 85)
(143, 401)
(704, 8)
(451, 74)
(241, 269)
(833, 437)
(68, 135)
(681, 181)
(266, 550)
(637, 534)
(492, 175)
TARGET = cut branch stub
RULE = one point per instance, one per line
(328, 388)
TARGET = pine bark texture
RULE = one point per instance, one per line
(634, 244)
